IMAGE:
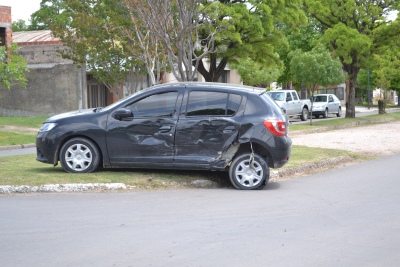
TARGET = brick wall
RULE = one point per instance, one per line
(5, 25)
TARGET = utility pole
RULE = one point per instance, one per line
(369, 94)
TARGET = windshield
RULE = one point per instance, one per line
(123, 99)
(319, 98)
(277, 96)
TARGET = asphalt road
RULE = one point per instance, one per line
(345, 217)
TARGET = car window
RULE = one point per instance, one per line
(320, 98)
(233, 103)
(330, 98)
(295, 96)
(158, 105)
(277, 96)
(206, 103)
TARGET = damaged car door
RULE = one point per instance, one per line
(147, 135)
(208, 125)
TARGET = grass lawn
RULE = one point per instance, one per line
(25, 170)
(19, 130)
(33, 122)
(343, 122)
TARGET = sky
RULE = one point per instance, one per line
(21, 9)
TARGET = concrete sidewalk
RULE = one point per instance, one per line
(17, 150)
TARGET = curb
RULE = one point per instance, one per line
(275, 176)
(59, 188)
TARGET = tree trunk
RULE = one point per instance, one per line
(214, 72)
(382, 106)
(352, 71)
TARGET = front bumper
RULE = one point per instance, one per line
(46, 149)
(318, 111)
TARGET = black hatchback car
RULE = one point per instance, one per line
(192, 126)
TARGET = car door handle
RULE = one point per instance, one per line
(165, 129)
(229, 129)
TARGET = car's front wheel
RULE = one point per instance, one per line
(249, 172)
(325, 115)
(79, 155)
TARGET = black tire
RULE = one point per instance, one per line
(339, 114)
(246, 177)
(79, 155)
(304, 114)
(325, 115)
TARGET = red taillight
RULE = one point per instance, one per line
(276, 127)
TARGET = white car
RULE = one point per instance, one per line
(325, 104)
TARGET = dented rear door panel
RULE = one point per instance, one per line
(202, 139)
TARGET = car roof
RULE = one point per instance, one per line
(213, 85)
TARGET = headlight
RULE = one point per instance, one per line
(47, 126)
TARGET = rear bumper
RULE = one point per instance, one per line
(281, 152)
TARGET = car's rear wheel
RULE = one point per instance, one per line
(325, 115)
(79, 155)
(249, 172)
(304, 114)
(339, 112)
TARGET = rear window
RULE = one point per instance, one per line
(278, 112)
(208, 103)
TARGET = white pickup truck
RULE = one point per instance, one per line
(291, 103)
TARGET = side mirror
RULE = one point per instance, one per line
(123, 114)
(289, 99)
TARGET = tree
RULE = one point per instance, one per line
(12, 67)
(94, 34)
(91, 40)
(387, 72)
(250, 29)
(51, 12)
(349, 28)
(177, 24)
(19, 26)
(221, 32)
(315, 68)
(255, 74)
(304, 38)
(387, 59)
(148, 48)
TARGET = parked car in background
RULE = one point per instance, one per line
(325, 104)
(291, 103)
(193, 126)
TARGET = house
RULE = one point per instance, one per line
(54, 84)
